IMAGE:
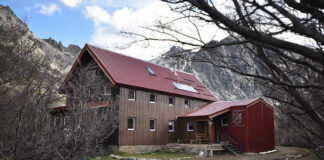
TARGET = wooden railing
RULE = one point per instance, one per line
(238, 143)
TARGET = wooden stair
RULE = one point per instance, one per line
(201, 139)
(232, 149)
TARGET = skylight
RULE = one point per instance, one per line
(150, 71)
(184, 87)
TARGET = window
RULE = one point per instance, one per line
(171, 101)
(187, 103)
(152, 124)
(224, 121)
(131, 123)
(66, 120)
(171, 126)
(106, 90)
(190, 126)
(184, 87)
(57, 121)
(131, 94)
(150, 71)
(152, 98)
(90, 91)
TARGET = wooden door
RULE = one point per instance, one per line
(202, 128)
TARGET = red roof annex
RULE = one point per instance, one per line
(131, 72)
(216, 108)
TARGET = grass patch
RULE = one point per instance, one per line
(156, 154)
(307, 152)
(102, 158)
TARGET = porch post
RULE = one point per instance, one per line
(211, 130)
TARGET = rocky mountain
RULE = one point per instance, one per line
(227, 85)
(224, 84)
(62, 57)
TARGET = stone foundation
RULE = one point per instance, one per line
(140, 148)
(172, 147)
(191, 148)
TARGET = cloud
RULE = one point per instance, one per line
(107, 35)
(71, 3)
(99, 15)
(48, 10)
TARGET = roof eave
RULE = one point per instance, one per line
(93, 55)
(163, 92)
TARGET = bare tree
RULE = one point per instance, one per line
(92, 115)
(283, 37)
(29, 87)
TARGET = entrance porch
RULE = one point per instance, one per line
(200, 130)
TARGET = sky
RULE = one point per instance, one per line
(99, 22)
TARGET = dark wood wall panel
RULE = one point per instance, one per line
(143, 110)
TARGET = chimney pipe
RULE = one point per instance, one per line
(174, 70)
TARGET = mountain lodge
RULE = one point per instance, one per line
(159, 105)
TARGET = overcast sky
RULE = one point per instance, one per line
(98, 22)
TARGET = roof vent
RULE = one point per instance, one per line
(150, 71)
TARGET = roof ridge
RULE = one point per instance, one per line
(241, 99)
(114, 52)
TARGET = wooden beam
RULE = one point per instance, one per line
(211, 131)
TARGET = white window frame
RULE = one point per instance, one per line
(172, 124)
(89, 91)
(134, 94)
(225, 124)
(190, 130)
(134, 121)
(173, 101)
(155, 97)
(153, 130)
(187, 106)
(105, 91)
(66, 118)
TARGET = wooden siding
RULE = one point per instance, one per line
(184, 135)
(143, 110)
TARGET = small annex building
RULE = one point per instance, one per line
(248, 124)
(159, 105)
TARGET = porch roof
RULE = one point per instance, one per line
(216, 108)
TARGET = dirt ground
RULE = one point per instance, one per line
(282, 153)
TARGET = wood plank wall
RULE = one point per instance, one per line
(143, 110)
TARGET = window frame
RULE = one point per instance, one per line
(187, 106)
(57, 120)
(193, 126)
(105, 91)
(222, 121)
(154, 124)
(155, 97)
(151, 72)
(172, 122)
(134, 91)
(134, 121)
(66, 119)
(173, 99)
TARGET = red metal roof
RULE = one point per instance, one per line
(216, 108)
(131, 72)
